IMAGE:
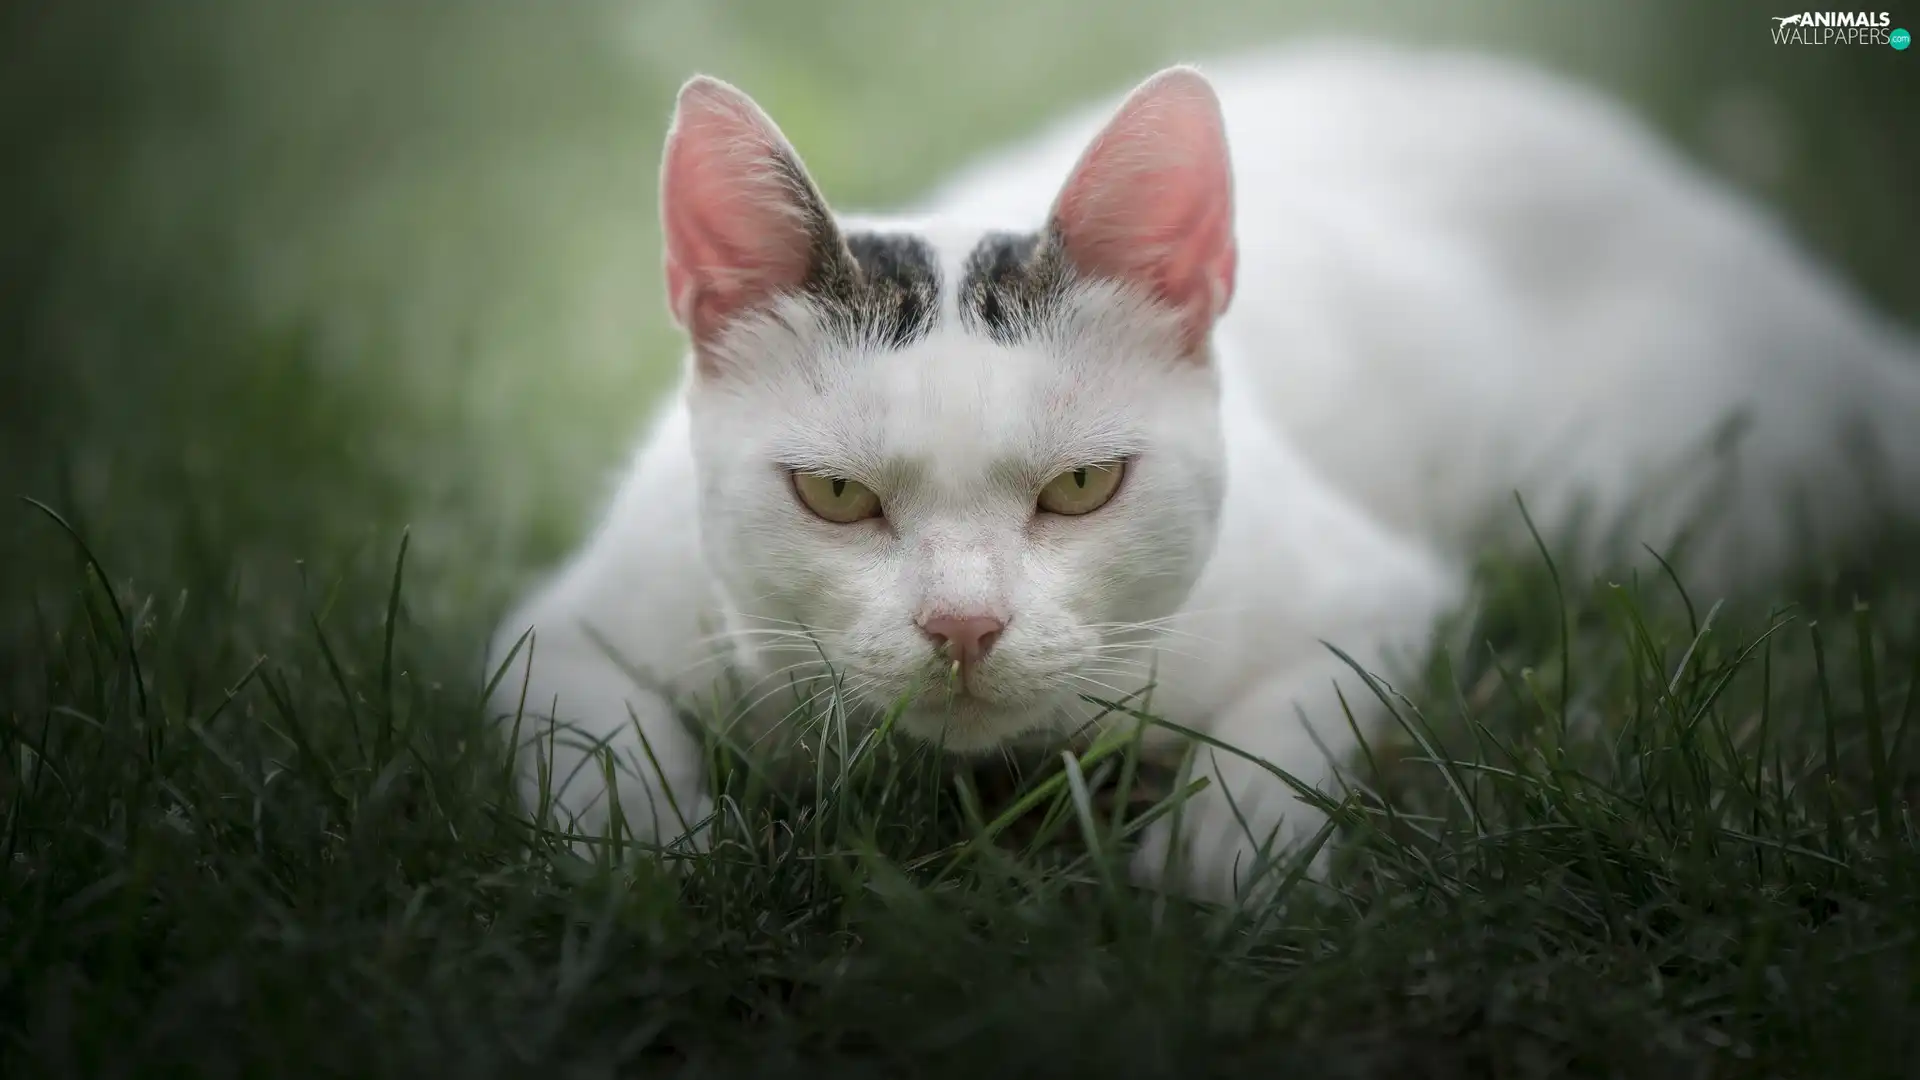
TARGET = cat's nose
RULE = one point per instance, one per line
(967, 638)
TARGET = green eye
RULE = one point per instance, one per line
(1081, 491)
(835, 498)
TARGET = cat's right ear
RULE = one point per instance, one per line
(743, 222)
(1150, 203)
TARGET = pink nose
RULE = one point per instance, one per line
(967, 638)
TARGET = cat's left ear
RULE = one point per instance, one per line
(743, 222)
(1150, 203)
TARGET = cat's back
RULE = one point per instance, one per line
(1461, 276)
(1408, 223)
(1336, 122)
(1413, 226)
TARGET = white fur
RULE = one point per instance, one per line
(1457, 279)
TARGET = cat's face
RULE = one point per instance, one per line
(943, 451)
(959, 470)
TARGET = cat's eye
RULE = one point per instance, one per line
(1083, 490)
(837, 499)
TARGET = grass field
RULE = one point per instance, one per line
(288, 291)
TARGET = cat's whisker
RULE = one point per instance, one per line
(790, 624)
(1124, 673)
(1107, 689)
(1142, 624)
(1158, 628)
(723, 659)
(1117, 649)
(1144, 664)
(751, 706)
(841, 695)
(1185, 614)
(772, 631)
(805, 704)
(721, 644)
(740, 633)
(1099, 675)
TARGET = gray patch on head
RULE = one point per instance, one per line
(1011, 283)
(875, 288)
(888, 293)
(826, 252)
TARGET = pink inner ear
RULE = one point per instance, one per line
(1151, 201)
(735, 206)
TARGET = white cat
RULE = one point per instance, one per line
(1119, 404)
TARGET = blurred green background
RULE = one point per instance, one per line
(279, 279)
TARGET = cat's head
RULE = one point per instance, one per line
(918, 446)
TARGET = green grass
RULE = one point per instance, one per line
(280, 281)
(1684, 846)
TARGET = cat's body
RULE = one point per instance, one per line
(1453, 280)
(1490, 280)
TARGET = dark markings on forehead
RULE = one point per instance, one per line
(1011, 283)
(830, 271)
(878, 288)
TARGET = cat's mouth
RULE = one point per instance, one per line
(974, 714)
(966, 724)
(973, 711)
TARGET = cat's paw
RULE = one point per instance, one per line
(658, 789)
(1223, 849)
(682, 824)
(1224, 852)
